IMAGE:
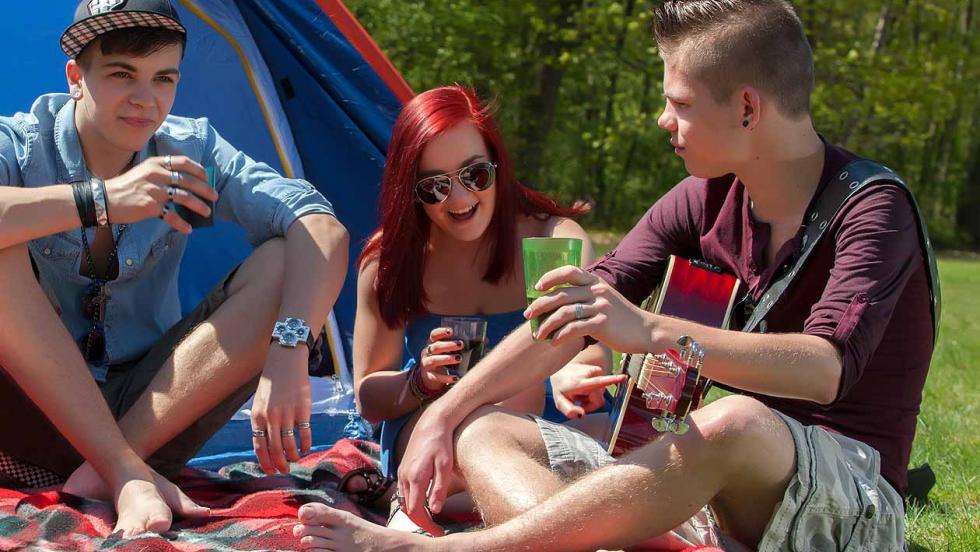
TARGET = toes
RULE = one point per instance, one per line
(320, 514)
(189, 509)
(315, 543)
(300, 531)
(158, 523)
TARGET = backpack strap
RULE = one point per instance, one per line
(849, 181)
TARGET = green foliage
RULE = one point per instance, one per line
(948, 434)
(578, 90)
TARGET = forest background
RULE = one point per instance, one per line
(578, 89)
(577, 84)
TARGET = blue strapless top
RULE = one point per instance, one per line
(499, 325)
(417, 337)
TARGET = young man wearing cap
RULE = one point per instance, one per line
(813, 452)
(112, 389)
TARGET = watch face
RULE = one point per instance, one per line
(291, 332)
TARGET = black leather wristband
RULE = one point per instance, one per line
(85, 203)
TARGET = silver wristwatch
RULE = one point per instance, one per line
(293, 331)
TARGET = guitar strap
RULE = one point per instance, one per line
(849, 181)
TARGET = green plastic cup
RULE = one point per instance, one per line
(542, 255)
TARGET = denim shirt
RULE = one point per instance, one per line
(41, 148)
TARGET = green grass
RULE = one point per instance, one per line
(948, 435)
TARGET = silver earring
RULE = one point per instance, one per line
(76, 94)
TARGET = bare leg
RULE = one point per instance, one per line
(505, 464)
(506, 488)
(39, 354)
(209, 364)
(738, 455)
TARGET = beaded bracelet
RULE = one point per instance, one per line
(418, 388)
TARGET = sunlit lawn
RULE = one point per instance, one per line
(948, 436)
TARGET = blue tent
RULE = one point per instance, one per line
(295, 83)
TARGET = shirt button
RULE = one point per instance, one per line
(870, 511)
(129, 262)
(47, 250)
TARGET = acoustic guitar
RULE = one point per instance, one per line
(664, 386)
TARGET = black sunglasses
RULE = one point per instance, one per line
(92, 344)
(475, 177)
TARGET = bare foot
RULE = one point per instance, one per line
(86, 482)
(141, 508)
(326, 528)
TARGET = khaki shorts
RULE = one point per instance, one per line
(836, 501)
(572, 454)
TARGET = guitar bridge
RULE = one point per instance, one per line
(658, 400)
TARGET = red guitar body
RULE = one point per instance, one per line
(664, 387)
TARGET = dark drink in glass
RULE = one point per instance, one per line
(472, 331)
(472, 352)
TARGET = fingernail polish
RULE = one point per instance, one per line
(458, 357)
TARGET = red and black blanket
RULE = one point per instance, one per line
(250, 511)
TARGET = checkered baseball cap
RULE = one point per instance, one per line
(96, 17)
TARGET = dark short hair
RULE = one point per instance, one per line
(133, 41)
(737, 43)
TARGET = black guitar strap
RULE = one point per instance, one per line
(849, 181)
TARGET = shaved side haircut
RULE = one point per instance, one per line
(727, 44)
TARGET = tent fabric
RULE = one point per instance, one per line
(279, 80)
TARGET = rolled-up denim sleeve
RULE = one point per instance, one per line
(257, 197)
(877, 250)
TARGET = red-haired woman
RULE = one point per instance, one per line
(452, 219)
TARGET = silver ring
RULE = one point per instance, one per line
(168, 163)
(164, 211)
(174, 177)
(303, 425)
(287, 433)
(578, 311)
(171, 191)
(258, 433)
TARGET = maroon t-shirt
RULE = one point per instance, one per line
(864, 289)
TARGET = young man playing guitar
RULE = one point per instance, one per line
(812, 454)
(91, 186)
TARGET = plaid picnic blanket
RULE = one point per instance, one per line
(250, 511)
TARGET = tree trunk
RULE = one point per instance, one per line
(539, 107)
(603, 191)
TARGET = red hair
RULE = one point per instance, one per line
(399, 242)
